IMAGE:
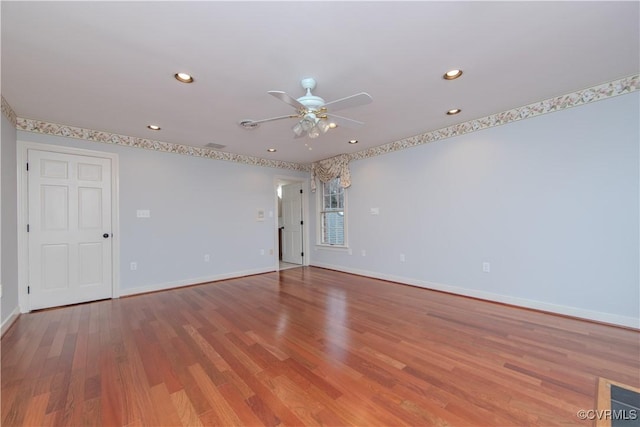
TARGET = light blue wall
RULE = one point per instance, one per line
(9, 216)
(198, 206)
(551, 202)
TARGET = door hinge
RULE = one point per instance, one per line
(27, 228)
(301, 222)
(301, 253)
(300, 191)
(27, 165)
(28, 289)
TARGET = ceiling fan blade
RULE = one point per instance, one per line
(270, 119)
(344, 122)
(356, 100)
(282, 96)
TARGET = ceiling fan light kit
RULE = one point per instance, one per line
(314, 115)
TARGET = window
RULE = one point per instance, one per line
(332, 213)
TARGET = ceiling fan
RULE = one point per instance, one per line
(315, 116)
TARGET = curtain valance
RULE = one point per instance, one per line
(328, 169)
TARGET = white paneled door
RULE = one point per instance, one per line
(70, 236)
(292, 222)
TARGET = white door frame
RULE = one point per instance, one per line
(23, 215)
(281, 179)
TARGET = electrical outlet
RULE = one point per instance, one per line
(486, 267)
(363, 253)
(270, 251)
(402, 259)
(261, 251)
(350, 251)
(134, 266)
(207, 258)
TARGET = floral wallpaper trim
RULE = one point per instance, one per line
(585, 96)
(8, 111)
(38, 126)
(581, 97)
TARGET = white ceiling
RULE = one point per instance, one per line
(109, 65)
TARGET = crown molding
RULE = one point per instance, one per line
(8, 111)
(585, 96)
(559, 103)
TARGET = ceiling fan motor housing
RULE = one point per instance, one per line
(310, 101)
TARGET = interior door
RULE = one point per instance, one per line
(70, 249)
(292, 220)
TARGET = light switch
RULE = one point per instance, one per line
(486, 267)
(143, 213)
(375, 211)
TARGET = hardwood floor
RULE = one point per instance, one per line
(307, 346)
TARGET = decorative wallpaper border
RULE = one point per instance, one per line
(581, 97)
(38, 126)
(8, 111)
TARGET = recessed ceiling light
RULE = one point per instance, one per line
(153, 127)
(452, 74)
(271, 150)
(453, 111)
(353, 141)
(333, 125)
(184, 77)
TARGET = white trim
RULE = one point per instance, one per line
(277, 180)
(577, 312)
(334, 248)
(190, 282)
(10, 320)
(23, 214)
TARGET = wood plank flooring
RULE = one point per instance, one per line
(307, 346)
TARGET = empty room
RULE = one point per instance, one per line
(340, 213)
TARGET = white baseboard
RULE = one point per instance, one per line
(193, 281)
(581, 313)
(9, 321)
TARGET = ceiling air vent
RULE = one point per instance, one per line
(215, 146)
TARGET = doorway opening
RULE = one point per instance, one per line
(290, 195)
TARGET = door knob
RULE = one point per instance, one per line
(105, 235)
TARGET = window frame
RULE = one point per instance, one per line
(322, 211)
